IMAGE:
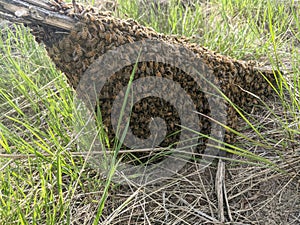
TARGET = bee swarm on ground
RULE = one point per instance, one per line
(97, 32)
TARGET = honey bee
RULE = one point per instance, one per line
(232, 68)
(56, 58)
(130, 39)
(85, 34)
(131, 32)
(50, 52)
(162, 69)
(66, 44)
(132, 21)
(108, 37)
(85, 64)
(248, 78)
(134, 27)
(74, 35)
(91, 9)
(78, 52)
(66, 58)
(121, 39)
(92, 42)
(90, 54)
(71, 12)
(106, 20)
(54, 4)
(111, 25)
(117, 31)
(242, 101)
(156, 65)
(101, 27)
(100, 46)
(55, 50)
(93, 28)
(143, 66)
(85, 15)
(152, 33)
(139, 32)
(124, 24)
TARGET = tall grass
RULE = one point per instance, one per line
(40, 174)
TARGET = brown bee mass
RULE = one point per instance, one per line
(95, 33)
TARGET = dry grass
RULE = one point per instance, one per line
(43, 181)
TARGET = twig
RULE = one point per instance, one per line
(221, 193)
(220, 177)
(24, 156)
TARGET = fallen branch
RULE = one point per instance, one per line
(31, 12)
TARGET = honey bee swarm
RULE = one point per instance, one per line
(96, 33)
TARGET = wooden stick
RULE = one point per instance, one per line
(33, 12)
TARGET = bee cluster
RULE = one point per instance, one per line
(96, 32)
